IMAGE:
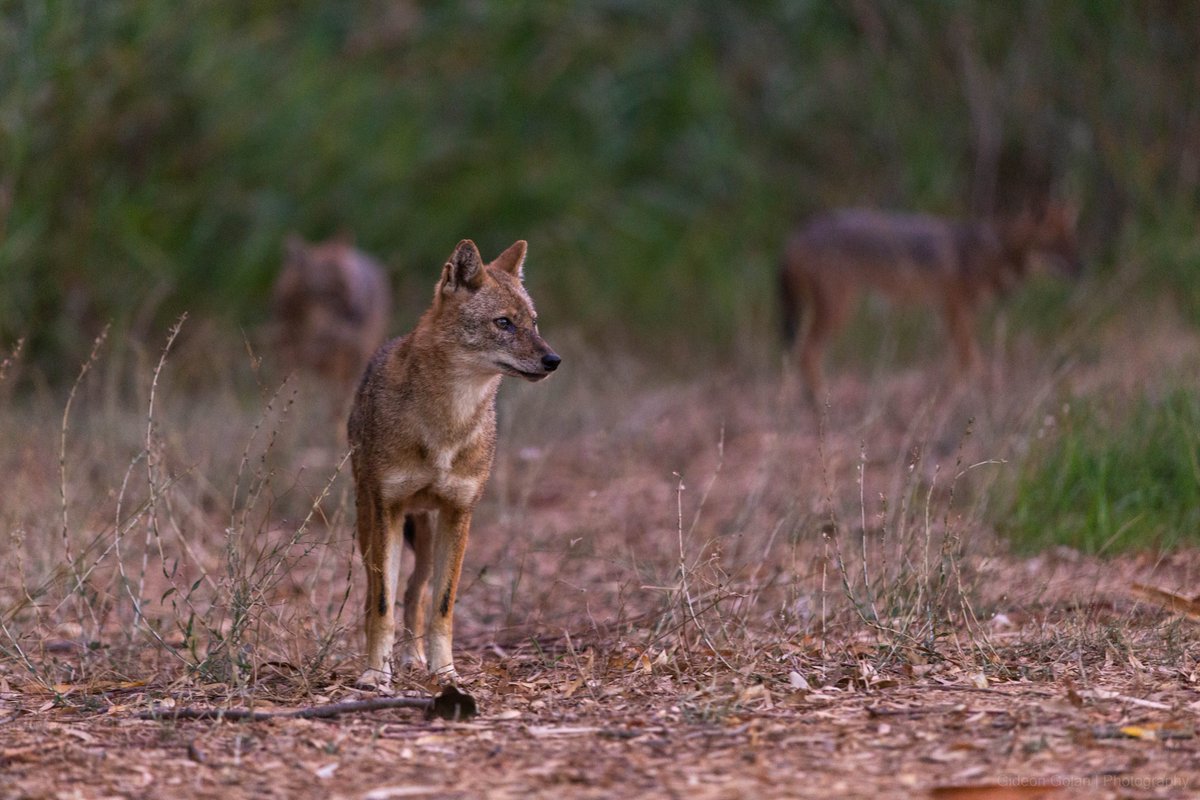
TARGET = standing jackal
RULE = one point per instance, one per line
(331, 305)
(834, 258)
(423, 429)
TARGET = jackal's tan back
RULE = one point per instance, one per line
(330, 307)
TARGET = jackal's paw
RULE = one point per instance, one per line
(374, 680)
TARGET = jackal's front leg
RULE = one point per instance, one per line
(449, 545)
(381, 545)
(412, 651)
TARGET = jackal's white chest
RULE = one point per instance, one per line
(432, 481)
(431, 478)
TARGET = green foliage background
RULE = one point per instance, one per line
(154, 154)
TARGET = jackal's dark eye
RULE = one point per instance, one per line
(503, 323)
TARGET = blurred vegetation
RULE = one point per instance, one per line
(1110, 478)
(153, 155)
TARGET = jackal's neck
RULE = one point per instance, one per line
(439, 373)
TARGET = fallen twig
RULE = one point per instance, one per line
(450, 703)
(1103, 694)
(917, 711)
(311, 712)
(13, 755)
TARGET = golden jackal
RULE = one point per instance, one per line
(953, 265)
(331, 306)
(423, 429)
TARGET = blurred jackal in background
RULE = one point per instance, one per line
(951, 265)
(330, 309)
(423, 432)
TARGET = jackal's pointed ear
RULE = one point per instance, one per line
(512, 260)
(464, 269)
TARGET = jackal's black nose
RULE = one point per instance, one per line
(551, 361)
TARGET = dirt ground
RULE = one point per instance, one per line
(572, 727)
(700, 590)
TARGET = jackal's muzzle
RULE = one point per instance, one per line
(537, 371)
